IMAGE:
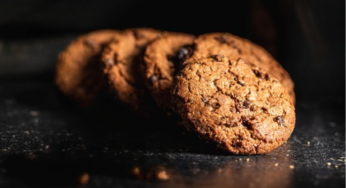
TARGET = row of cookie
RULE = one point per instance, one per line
(106, 63)
(110, 56)
(138, 65)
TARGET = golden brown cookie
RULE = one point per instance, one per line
(161, 60)
(78, 72)
(241, 108)
(234, 47)
(122, 58)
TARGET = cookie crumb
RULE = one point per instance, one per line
(239, 159)
(336, 166)
(329, 164)
(162, 175)
(276, 164)
(247, 160)
(136, 171)
(150, 174)
(83, 178)
(308, 143)
(291, 167)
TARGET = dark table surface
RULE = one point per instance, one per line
(48, 142)
(45, 141)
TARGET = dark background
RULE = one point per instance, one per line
(306, 36)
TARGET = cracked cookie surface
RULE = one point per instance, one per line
(239, 107)
(234, 47)
(121, 59)
(78, 72)
(161, 60)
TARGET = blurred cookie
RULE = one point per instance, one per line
(161, 60)
(122, 58)
(78, 72)
(234, 47)
(239, 107)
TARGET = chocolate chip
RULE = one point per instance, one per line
(180, 56)
(242, 83)
(280, 120)
(205, 100)
(260, 74)
(265, 110)
(138, 35)
(222, 39)
(239, 144)
(249, 122)
(238, 107)
(183, 52)
(216, 105)
(266, 77)
(153, 79)
(236, 47)
(246, 103)
(218, 57)
(257, 73)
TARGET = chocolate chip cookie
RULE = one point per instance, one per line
(78, 72)
(161, 59)
(122, 58)
(241, 108)
(234, 47)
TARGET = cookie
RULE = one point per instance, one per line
(241, 108)
(161, 59)
(78, 72)
(122, 58)
(234, 47)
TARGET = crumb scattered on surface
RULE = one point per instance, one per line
(308, 143)
(239, 159)
(291, 167)
(247, 159)
(162, 175)
(276, 164)
(150, 174)
(329, 163)
(83, 178)
(336, 166)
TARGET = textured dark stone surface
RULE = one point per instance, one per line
(46, 141)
